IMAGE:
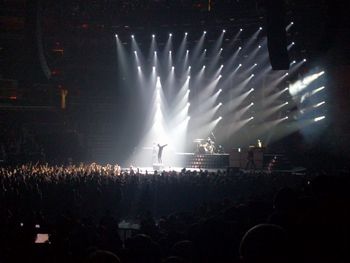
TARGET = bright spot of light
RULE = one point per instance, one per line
(170, 35)
(220, 76)
(172, 68)
(259, 46)
(116, 35)
(220, 90)
(188, 77)
(251, 118)
(188, 104)
(220, 118)
(251, 104)
(139, 68)
(221, 66)
(239, 48)
(293, 43)
(260, 28)
(204, 32)
(252, 75)
(221, 49)
(319, 104)
(185, 33)
(255, 64)
(304, 59)
(317, 90)
(286, 103)
(241, 29)
(292, 23)
(223, 31)
(240, 65)
(188, 118)
(203, 66)
(251, 90)
(153, 36)
(132, 36)
(153, 68)
(319, 118)
(220, 104)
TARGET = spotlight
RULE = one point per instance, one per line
(251, 118)
(116, 35)
(252, 89)
(220, 90)
(155, 52)
(286, 103)
(153, 36)
(259, 46)
(220, 104)
(189, 67)
(220, 76)
(293, 62)
(188, 118)
(188, 77)
(286, 89)
(170, 52)
(185, 33)
(204, 32)
(172, 68)
(260, 28)
(240, 65)
(170, 35)
(188, 104)
(304, 59)
(135, 52)
(203, 66)
(319, 118)
(223, 31)
(251, 104)
(286, 74)
(293, 43)
(252, 76)
(221, 49)
(319, 104)
(187, 51)
(292, 23)
(132, 36)
(139, 68)
(241, 29)
(255, 64)
(220, 118)
(285, 118)
(205, 50)
(221, 66)
(154, 68)
(239, 48)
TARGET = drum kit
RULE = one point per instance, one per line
(205, 146)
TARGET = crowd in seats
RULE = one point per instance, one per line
(187, 216)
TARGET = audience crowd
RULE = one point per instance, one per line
(94, 213)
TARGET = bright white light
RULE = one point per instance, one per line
(252, 75)
(285, 118)
(155, 52)
(220, 104)
(139, 68)
(239, 48)
(259, 46)
(251, 104)
(220, 118)
(188, 77)
(221, 49)
(223, 31)
(187, 51)
(154, 68)
(189, 67)
(220, 76)
(317, 90)
(286, 74)
(205, 50)
(204, 32)
(319, 118)
(286, 89)
(292, 23)
(220, 90)
(169, 51)
(293, 62)
(132, 36)
(286, 103)
(188, 118)
(251, 118)
(172, 68)
(293, 43)
(251, 90)
(221, 66)
(116, 35)
(240, 65)
(153, 36)
(255, 64)
(203, 66)
(300, 85)
(241, 29)
(188, 91)
(260, 28)
(170, 35)
(185, 33)
(304, 59)
(319, 104)
(188, 104)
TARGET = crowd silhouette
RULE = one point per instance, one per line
(94, 213)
